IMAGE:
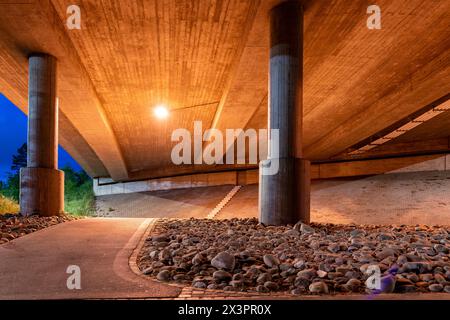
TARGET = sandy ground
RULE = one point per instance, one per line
(400, 198)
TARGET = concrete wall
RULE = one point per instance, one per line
(395, 198)
(104, 186)
(107, 187)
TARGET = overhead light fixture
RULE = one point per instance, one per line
(161, 112)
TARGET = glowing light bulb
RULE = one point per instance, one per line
(161, 112)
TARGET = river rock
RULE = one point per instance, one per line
(223, 260)
(318, 287)
(163, 275)
(270, 260)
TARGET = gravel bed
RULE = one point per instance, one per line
(243, 255)
(13, 226)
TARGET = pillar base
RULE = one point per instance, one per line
(41, 192)
(284, 196)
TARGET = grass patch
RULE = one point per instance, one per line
(8, 205)
(80, 201)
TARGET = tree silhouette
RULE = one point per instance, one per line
(19, 160)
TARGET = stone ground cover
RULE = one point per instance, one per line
(243, 255)
(13, 226)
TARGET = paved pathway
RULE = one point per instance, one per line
(34, 266)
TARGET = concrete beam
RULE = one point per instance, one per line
(380, 166)
(387, 110)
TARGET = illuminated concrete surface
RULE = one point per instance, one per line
(34, 266)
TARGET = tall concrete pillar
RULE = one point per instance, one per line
(284, 196)
(41, 183)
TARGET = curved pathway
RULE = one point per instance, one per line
(34, 266)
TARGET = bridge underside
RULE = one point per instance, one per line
(369, 101)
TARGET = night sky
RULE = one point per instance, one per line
(13, 133)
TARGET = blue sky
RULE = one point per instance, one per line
(13, 133)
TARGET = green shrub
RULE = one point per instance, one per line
(11, 189)
(78, 193)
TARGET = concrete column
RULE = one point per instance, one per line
(41, 183)
(284, 197)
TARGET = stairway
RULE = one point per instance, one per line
(223, 203)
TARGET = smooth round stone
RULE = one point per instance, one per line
(147, 271)
(353, 285)
(285, 267)
(270, 260)
(292, 233)
(301, 282)
(154, 254)
(308, 273)
(223, 260)
(385, 237)
(164, 255)
(441, 248)
(299, 264)
(387, 283)
(440, 279)
(262, 289)
(272, 286)
(318, 287)
(264, 277)
(297, 291)
(437, 287)
(222, 275)
(413, 277)
(200, 285)
(163, 275)
(357, 233)
(321, 273)
(385, 253)
(427, 277)
(334, 247)
(238, 277)
(160, 238)
(199, 258)
(179, 277)
(228, 288)
(305, 229)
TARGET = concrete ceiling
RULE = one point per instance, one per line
(208, 61)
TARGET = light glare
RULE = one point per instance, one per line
(161, 112)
